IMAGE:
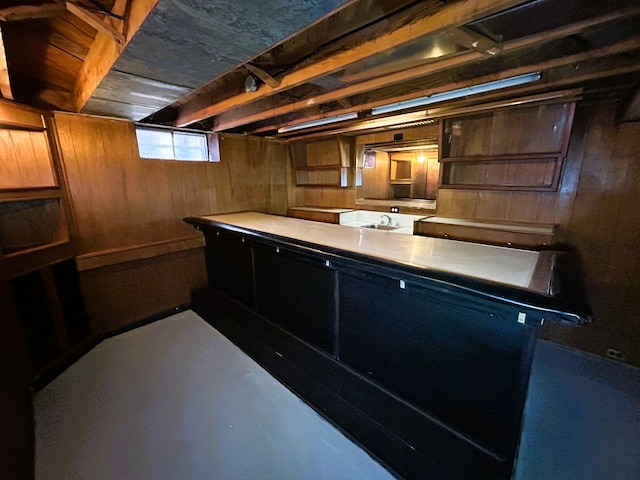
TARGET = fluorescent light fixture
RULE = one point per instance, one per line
(461, 92)
(317, 123)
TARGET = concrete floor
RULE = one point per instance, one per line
(176, 400)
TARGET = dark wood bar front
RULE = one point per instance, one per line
(433, 365)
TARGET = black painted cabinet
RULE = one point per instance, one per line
(297, 293)
(460, 358)
(230, 265)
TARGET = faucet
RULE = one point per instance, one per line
(388, 220)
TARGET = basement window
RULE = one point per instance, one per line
(170, 144)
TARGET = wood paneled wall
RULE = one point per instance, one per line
(603, 225)
(122, 202)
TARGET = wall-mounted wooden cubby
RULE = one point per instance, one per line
(323, 163)
(513, 149)
(36, 252)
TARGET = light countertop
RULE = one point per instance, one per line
(504, 265)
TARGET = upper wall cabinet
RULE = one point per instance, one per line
(516, 149)
(34, 229)
(323, 163)
(26, 157)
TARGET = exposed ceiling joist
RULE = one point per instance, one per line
(262, 75)
(596, 68)
(95, 21)
(105, 50)
(239, 117)
(453, 15)
(28, 12)
(5, 84)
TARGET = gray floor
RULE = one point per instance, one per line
(176, 400)
(581, 419)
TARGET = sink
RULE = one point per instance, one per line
(377, 226)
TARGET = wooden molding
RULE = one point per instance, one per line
(15, 115)
(239, 118)
(114, 256)
(26, 261)
(5, 84)
(95, 21)
(456, 14)
(105, 50)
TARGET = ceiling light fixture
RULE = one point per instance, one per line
(458, 93)
(317, 123)
(250, 84)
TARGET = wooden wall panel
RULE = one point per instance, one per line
(330, 197)
(118, 295)
(25, 160)
(603, 226)
(122, 202)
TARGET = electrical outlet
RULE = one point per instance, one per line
(395, 209)
(615, 354)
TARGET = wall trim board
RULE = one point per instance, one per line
(146, 321)
(114, 256)
(55, 369)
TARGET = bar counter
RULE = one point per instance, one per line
(418, 348)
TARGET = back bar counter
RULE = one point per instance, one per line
(417, 348)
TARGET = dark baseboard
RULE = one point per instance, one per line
(146, 321)
(57, 367)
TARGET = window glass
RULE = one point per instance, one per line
(190, 146)
(154, 143)
(157, 143)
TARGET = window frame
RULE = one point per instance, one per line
(172, 131)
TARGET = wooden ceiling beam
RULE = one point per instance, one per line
(5, 84)
(28, 12)
(597, 57)
(241, 117)
(95, 21)
(105, 50)
(454, 14)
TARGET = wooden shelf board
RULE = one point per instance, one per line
(29, 260)
(25, 194)
(115, 256)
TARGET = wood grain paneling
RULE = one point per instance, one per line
(124, 204)
(120, 200)
(26, 161)
(330, 197)
(602, 225)
(118, 295)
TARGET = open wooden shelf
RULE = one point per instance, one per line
(520, 149)
(323, 163)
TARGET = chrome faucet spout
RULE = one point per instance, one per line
(385, 220)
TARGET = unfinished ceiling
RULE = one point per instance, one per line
(185, 62)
